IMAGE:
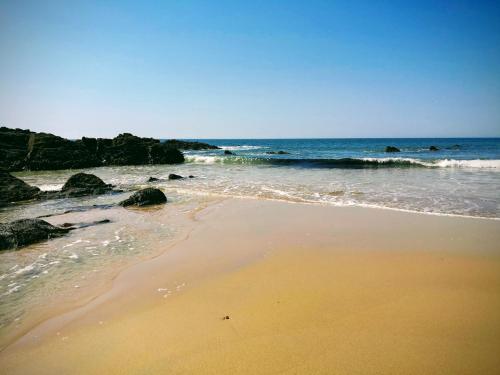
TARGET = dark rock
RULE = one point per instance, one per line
(227, 152)
(47, 152)
(81, 184)
(153, 179)
(173, 176)
(191, 176)
(145, 197)
(433, 148)
(392, 149)
(27, 231)
(161, 153)
(277, 153)
(225, 317)
(23, 149)
(13, 148)
(189, 145)
(454, 147)
(12, 189)
(72, 226)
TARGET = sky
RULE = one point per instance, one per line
(251, 69)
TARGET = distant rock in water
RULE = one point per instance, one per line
(145, 197)
(277, 153)
(23, 149)
(433, 148)
(27, 231)
(227, 152)
(13, 189)
(392, 149)
(191, 176)
(153, 179)
(173, 176)
(190, 145)
(454, 147)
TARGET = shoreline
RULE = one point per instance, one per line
(190, 254)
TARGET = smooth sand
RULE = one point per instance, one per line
(308, 289)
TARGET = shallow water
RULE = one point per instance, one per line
(462, 181)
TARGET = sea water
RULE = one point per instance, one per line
(461, 178)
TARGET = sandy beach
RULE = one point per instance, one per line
(272, 287)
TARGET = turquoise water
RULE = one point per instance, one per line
(330, 152)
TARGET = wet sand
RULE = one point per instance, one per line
(307, 289)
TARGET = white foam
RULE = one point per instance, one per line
(242, 147)
(444, 163)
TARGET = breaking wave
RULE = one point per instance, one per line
(347, 163)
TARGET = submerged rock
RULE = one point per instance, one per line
(277, 153)
(227, 152)
(145, 197)
(153, 179)
(13, 189)
(433, 148)
(392, 149)
(27, 231)
(173, 176)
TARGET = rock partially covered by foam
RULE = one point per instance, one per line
(13, 189)
(26, 232)
(392, 149)
(145, 197)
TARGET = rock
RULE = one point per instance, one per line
(145, 197)
(23, 149)
(173, 176)
(81, 184)
(13, 148)
(189, 145)
(13, 189)
(165, 154)
(153, 179)
(433, 148)
(27, 231)
(227, 152)
(277, 153)
(392, 149)
(72, 226)
(191, 176)
(49, 152)
(454, 147)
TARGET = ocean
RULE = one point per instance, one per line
(461, 178)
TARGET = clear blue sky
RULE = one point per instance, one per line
(266, 69)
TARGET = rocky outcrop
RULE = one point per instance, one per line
(392, 149)
(227, 152)
(27, 231)
(13, 189)
(145, 197)
(433, 148)
(188, 145)
(23, 149)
